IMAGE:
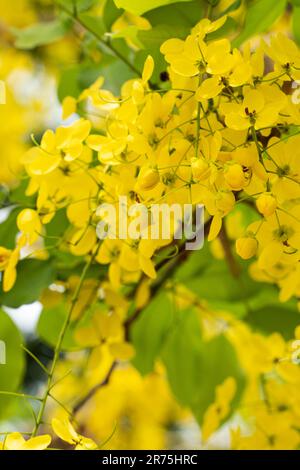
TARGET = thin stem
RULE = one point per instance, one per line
(36, 359)
(20, 395)
(99, 38)
(166, 267)
(60, 342)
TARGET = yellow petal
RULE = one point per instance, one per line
(14, 441)
(37, 443)
(122, 350)
(148, 69)
(9, 278)
(64, 430)
(172, 46)
(215, 227)
(69, 106)
(83, 241)
(210, 88)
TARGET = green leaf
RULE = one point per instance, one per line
(149, 332)
(11, 373)
(234, 6)
(153, 38)
(114, 72)
(9, 230)
(274, 318)
(189, 14)
(195, 367)
(18, 194)
(110, 14)
(33, 276)
(202, 273)
(130, 33)
(138, 7)
(41, 34)
(50, 324)
(83, 5)
(260, 15)
(94, 24)
(296, 23)
(78, 6)
(57, 226)
(69, 83)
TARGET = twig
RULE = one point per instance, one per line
(60, 342)
(232, 264)
(169, 267)
(99, 38)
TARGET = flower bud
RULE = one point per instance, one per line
(235, 177)
(246, 247)
(148, 179)
(266, 204)
(200, 169)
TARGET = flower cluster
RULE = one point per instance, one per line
(223, 132)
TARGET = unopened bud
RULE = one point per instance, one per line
(235, 177)
(246, 247)
(200, 169)
(266, 204)
(148, 179)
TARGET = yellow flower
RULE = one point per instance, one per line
(66, 145)
(29, 224)
(260, 108)
(66, 432)
(219, 410)
(286, 56)
(15, 441)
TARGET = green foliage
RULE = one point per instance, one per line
(76, 6)
(57, 227)
(296, 23)
(211, 280)
(110, 14)
(234, 6)
(50, 324)
(149, 332)
(194, 367)
(189, 13)
(138, 7)
(9, 230)
(275, 318)
(94, 24)
(11, 373)
(260, 15)
(33, 276)
(41, 34)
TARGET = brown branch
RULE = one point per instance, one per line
(231, 261)
(95, 389)
(167, 268)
